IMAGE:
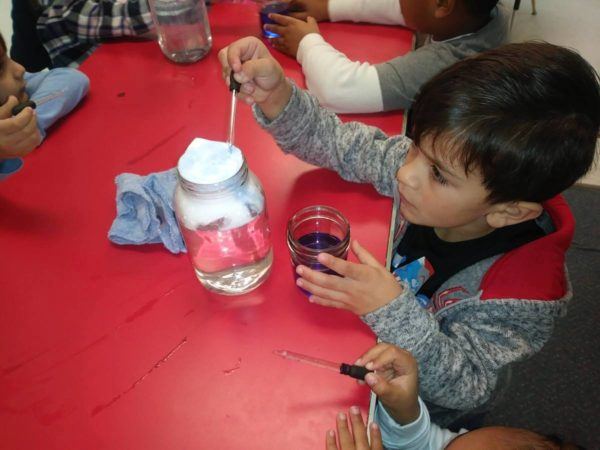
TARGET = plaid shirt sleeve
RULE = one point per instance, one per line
(69, 29)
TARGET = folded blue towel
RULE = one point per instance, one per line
(145, 212)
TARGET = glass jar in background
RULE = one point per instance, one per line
(221, 211)
(182, 28)
(317, 229)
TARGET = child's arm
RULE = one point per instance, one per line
(460, 358)
(402, 417)
(460, 361)
(302, 127)
(94, 20)
(386, 12)
(347, 86)
(340, 84)
(69, 85)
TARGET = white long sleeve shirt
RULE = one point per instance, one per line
(347, 86)
(418, 435)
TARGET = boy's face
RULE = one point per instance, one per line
(437, 193)
(11, 78)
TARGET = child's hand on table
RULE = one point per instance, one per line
(19, 135)
(261, 77)
(319, 9)
(395, 380)
(396, 384)
(291, 32)
(355, 436)
(361, 288)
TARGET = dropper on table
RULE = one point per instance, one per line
(351, 370)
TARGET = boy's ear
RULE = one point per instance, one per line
(511, 213)
(444, 8)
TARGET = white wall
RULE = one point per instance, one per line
(5, 20)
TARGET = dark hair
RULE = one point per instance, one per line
(2, 43)
(480, 7)
(525, 115)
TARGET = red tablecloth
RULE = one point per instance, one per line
(103, 346)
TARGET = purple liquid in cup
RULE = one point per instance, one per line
(271, 8)
(317, 241)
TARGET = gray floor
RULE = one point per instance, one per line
(558, 390)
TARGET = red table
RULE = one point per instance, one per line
(104, 346)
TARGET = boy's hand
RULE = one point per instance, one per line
(19, 135)
(261, 77)
(395, 380)
(319, 9)
(291, 31)
(355, 437)
(361, 288)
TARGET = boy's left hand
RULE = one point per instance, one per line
(291, 32)
(361, 288)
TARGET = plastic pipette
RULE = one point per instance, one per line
(351, 370)
(234, 87)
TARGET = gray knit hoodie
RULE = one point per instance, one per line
(495, 312)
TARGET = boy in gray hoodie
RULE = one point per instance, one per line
(478, 274)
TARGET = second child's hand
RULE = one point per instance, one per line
(291, 32)
(395, 381)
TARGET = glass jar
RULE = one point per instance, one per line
(182, 28)
(317, 229)
(221, 211)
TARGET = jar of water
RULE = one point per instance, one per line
(182, 28)
(222, 213)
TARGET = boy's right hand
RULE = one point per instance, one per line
(19, 135)
(318, 9)
(261, 77)
(395, 380)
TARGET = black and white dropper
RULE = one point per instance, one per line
(351, 370)
(234, 87)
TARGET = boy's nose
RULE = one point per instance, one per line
(408, 176)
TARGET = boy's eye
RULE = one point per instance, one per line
(437, 176)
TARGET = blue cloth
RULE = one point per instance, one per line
(145, 212)
(72, 86)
